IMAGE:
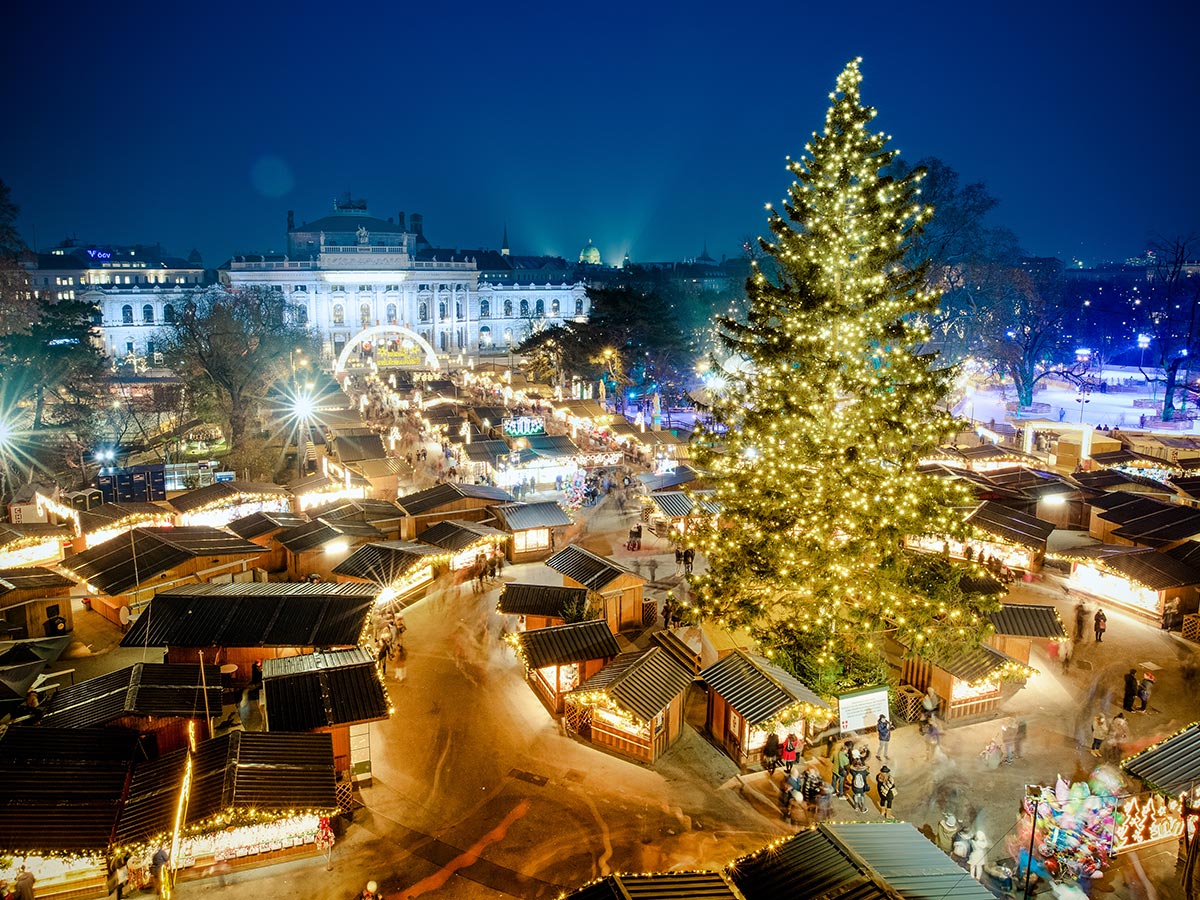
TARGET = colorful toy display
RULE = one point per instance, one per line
(1074, 827)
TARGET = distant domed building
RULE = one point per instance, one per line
(590, 255)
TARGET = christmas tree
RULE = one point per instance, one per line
(828, 408)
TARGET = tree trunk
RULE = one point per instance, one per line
(39, 407)
(239, 420)
(1172, 372)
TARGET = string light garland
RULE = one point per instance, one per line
(828, 408)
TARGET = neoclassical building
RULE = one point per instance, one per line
(365, 283)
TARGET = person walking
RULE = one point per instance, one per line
(789, 752)
(841, 764)
(978, 855)
(1143, 691)
(23, 884)
(678, 560)
(858, 785)
(1080, 618)
(120, 874)
(883, 728)
(886, 786)
(811, 787)
(1099, 733)
(770, 754)
(1065, 650)
(1008, 737)
(1118, 737)
(158, 869)
(1131, 686)
(1100, 625)
(689, 559)
(961, 849)
(383, 651)
(946, 830)
(933, 739)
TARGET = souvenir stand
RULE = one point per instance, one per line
(559, 659)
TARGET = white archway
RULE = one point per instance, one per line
(374, 331)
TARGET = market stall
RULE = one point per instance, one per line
(35, 602)
(559, 659)
(313, 549)
(32, 544)
(1017, 540)
(534, 606)
(1015, 627)
(1170, 771)
(109, 520)
(400, 570)
(634, 705)
(1140, 580)
(449, 500)
(535, 528)
(749, 698)
(325, 487)
(219, 504)
(262, 529)
(466, 542)
(619, 590)
(674, 512)
(969, 682)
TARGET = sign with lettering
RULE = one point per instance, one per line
(100, 254)
(523, 426)
(402, 356)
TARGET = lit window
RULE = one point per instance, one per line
(339, 314)
(508, 309)
(391, 313)
(423, 311)
(485, 309)
(485, 336)
(554, 307)
(148, 314)
(126, 314)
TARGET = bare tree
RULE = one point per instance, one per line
(1173, 298)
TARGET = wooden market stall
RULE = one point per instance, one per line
(1015, 627)
(161, 702)
(465, 542)
(383, 515)
(634, 705)
(1137, 520)
(262, 529)
(449, 500)
(35, 602)
(314, 548)
(559, 659)
(749, 697)
(534, 606)
(968, 682)
(338, 692)
(241, 624)
(1143, 581)
(1016, 539)
(218, 504)
(127, 571)
(618, 590)
(1170, 772)
(325, 487)
(535, 528)
(32, 544)
(676, 513)
(109, 520)
(401, 570)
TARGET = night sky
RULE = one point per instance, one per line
(650, 128)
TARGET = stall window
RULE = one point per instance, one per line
(533, 539)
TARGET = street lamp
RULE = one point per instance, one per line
(1085, 392)
(303, 408)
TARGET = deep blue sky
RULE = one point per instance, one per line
(648, 127)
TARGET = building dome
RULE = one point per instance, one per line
(590, 254)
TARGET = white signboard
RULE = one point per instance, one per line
(862, 709)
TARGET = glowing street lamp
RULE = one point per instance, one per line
(303, 408)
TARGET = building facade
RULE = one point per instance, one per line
(363, 282)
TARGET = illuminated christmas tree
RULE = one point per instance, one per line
(828, 407)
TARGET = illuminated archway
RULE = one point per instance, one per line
(374, 331)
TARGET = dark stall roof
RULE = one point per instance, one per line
(358, 443)
(493, 414)
(677, 504)
(1127, 510)
(316, 690)
(143, 689)
(121, 563)
(659, 886)
(385, 561)
(1187, 553)
(1108, 479)
(553, 446)
(226, 491)
(562, 644)
(1125, 456)
(542, 514)
(241, 770)
(260, 523)
(1164, 526)
(254, 615)
(319, 532)
(486, 451)
(34, 578)
(449, 492)
(369, 511)
(108, 514)
(855, 861)
(538, 599)
(1013, 526)
(681, 475)
(11, 532)
(1155, 570)
(973, 664)
(1172, 765)
(591, 570)
(1187, 484)
(61, 789)
(642, 683)
(455, 534)
(757, 689)
(1028, 620)
(315, 484)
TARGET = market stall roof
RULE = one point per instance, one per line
(106, 515)
(450, 492)
(260, 523)
(987, 451)
(642, 682)
(33, 578)
(339, 418)
(48, 649)
(678, 505)
(254, 615)
(123, 562)
(491, 414)
(1172, 765)
(591, 570)
(265, 771)
(61, 789)
(316, 484)
(1031, 482)
(553, 446)
(319, 532)
(1108, 480)
(489, 452)
(13, 533)
(143, 689)
(1187, 553)
(538, 599)
(1028, 620)
(972, 664)
(669, 480)
(362, 470)
(1128, 507)
(1015, 527)
(352, 444)
(317, 690)
(457, 534)
(383, 562)
(523, 516)
(1167, 525)
(226, 491)
(1187, 484)
(1127, 457)
(582, 409)
(18, 673)
(1155, 570)
(373, 512)
(659, 886)
(854, 861)
(562, 644)
(757, 689)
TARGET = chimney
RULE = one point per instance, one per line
(418, 224)
(291, 220)
(400, 220)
